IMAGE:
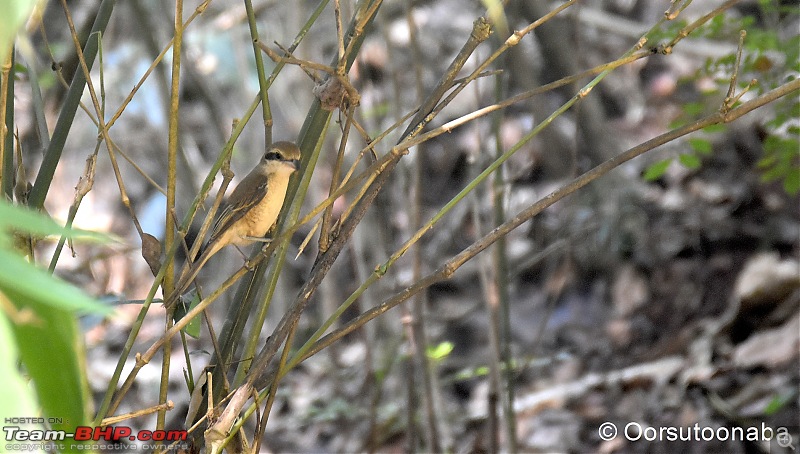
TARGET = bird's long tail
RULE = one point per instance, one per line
(189, 273)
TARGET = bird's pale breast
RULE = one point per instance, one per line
(261, 217)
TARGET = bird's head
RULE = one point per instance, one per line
(282, 157)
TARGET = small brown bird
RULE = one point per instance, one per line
(251, 210)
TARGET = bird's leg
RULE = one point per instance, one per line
(247, 262)
(267, 242)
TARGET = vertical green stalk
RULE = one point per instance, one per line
(262, 78)
(419, 361)
(416, 333)
(7, 127)
(500, 259)
(172, 175)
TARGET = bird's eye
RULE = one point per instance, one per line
(272, 156)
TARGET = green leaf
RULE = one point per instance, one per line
(770, 175)
(16, 397)
(440, 351)
(693, 108)
(51, 350)
(777, 403)
(689, 160)
(22, 219)
(13, 14)
(29, 283)
(655, 171)
(767, 161)
(675, 124)
(720, 127)
(791, 182)
(193, 327)
(49, 341)
(497, 14)
(701, 146)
